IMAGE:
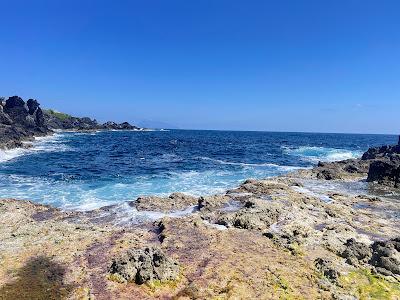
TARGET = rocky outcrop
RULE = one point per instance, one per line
(383, 255)
(385, 166)
(20, 121)
(57, 120)
(385, 171)
(144, 265)
(356, 252)
(386, 256)
(379, 164)
(122, 126)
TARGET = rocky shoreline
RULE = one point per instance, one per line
(22, 121)
(305, 235)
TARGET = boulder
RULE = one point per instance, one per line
(385, 171)
(14, 102)
(386, 256)
(15, 107)
(144, 265)
(356, 252)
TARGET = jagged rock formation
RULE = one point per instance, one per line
(383, 255)
(385, 167)
(20, 121)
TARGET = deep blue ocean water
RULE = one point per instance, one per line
(90, 170)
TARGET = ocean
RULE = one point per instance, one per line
(84, 171)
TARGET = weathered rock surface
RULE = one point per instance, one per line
(326, 267)
(386, 256)
(356, 252)
(144, 265)
(383, 255)
(176, 201)
(256, 214)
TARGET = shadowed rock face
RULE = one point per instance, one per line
(33, 105)
(385, 171)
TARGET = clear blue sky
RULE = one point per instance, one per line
(327, 66)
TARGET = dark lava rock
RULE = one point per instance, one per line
(385, 256)
(39, 117)
(15, 107)
(4, 118)
(380, 152)
(33, 105)
(385, 171)
(20, 121)
(340, 169)
(144, 265)
(115, 126)
(356, 252)
(326, 267)
(13, 102)
(385, 165)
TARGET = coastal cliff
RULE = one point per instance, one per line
(22, 121)
(288, 237)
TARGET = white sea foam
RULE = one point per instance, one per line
(6, 155)
(315, 154)
(51, 143)
(272, 165)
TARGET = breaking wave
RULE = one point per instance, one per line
(316, 154)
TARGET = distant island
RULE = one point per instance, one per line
(21, 121)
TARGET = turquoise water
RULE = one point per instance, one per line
(89, 170)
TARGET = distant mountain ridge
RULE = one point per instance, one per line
(21, 121)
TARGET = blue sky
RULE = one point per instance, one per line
(325, 66)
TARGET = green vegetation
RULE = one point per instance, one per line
(57, 114)
(365, 285)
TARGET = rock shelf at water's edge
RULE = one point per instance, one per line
(283, 237)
